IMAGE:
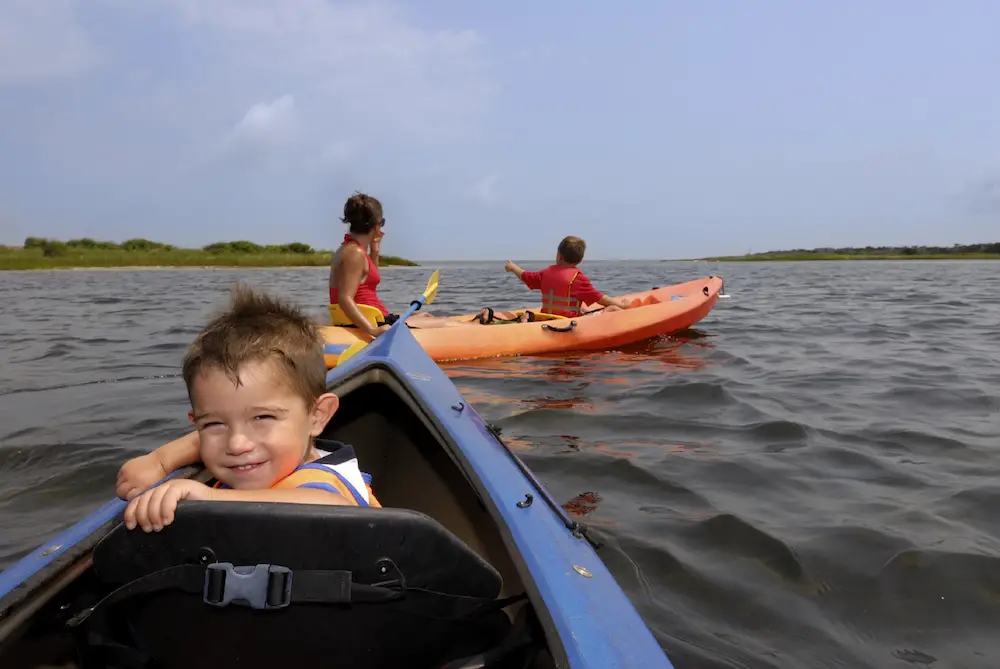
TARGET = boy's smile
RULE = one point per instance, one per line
(256, 433)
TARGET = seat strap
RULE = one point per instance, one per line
(261, 586)
(267, 587)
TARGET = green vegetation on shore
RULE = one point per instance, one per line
(40, 253)
(956, 252)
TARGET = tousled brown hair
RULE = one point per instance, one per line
(572, 249)
(255, 328)
(362, 212)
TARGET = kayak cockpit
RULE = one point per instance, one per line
(425, 581)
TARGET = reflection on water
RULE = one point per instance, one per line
(573, 373)
(574, 384)
(582, 504)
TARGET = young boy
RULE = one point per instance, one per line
(565, 288)
(257, 384)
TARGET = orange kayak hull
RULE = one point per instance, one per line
(655, 312)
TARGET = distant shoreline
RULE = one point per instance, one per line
(850, 258)
(82, 254)
(982, 251)
(154, 268)
(245, 263)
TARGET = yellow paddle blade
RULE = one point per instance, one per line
(351, 350)
(432, 287)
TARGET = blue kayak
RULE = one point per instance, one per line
(470, 563)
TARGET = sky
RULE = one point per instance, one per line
(490, 130)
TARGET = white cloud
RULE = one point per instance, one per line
(229, 111)
(367, 59)
(40, 40)
(321, 34)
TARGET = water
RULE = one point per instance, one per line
(808, 479)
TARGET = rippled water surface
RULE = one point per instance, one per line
(809, 478)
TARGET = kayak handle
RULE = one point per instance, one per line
(568, 328)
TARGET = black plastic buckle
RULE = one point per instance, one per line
(262, 586)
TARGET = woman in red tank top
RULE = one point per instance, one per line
(354, 275)
(366, 291)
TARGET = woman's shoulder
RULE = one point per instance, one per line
(351, 253)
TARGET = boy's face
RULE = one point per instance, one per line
(257, 433)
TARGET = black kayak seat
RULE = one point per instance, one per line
(234, 584)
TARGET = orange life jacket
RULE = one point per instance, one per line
(318, 475)
(557, 295)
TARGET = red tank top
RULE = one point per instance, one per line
(366, 293)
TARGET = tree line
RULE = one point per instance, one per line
(955, 249)
(54, 248)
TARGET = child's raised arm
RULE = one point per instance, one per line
(155, 509)
(511, 267)
(143, 471)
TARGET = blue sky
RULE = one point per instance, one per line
(653, 129)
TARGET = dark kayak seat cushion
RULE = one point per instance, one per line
(270, 585)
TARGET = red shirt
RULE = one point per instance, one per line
(581, 289)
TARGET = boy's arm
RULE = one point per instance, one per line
(607, 301)
(155, 509)
(141, 472)
(584, 291)
(180, 452)
(532, 280)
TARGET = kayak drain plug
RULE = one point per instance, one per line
(526, 502)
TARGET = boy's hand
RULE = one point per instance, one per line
(138, 474)
(153, 510)
(624, 304)
(510, 266)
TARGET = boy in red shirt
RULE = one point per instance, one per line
(566, 290)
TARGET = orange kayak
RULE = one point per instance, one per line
(655, 312)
